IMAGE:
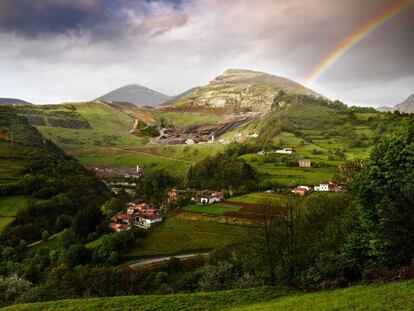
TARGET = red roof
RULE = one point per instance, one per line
(124, 216)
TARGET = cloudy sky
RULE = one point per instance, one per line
(71, 50)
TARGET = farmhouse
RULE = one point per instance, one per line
(125, 219)
(214, 197)
(147, 221)
(135, 208)
(321, 187)
(305, 163)
(285, 151)
(301, 190)
(138, 214)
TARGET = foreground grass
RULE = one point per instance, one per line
(391, 296)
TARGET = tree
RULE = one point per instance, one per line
(111, 207)
(154, 185)
(86, 221)
(222, 172)
(67, 238)
(385, 192)
(63, 222)
(12, 287)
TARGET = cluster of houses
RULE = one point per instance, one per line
(139, 214)
(120, 179)
(326, 187)
(203, 197)
(306, 163)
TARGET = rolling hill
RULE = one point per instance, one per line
(241, 90)
(391, 296)
(407, 105)
(13, 101)
(136, 94)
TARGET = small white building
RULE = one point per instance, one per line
(285, 151)
(254, 135)
(190, 141)
(213, 198)
(147, 222)
(321, 187)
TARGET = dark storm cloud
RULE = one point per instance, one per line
(100, 18)
(34, 17)
(174, 45)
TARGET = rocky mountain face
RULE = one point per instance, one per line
(13, 101)
(138, 95)
(407, 105)
(241, 90)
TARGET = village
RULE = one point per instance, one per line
(138, 213)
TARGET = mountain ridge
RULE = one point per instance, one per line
(13, 101)
(407, 105)
(241, 90)
(136, 94)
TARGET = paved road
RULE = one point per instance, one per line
(41, 241)
(162, 259)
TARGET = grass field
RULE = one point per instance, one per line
(376, 297)
(391, 296)
(187, 118)
(292, 176)
(257, 197)
(176, 236)
(214, 209)
(9, 206)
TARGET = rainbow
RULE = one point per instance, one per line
(351, 40)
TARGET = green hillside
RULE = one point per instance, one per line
(391, 296)
(38, 181)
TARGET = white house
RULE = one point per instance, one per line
(190, 141)
(254, 135)
(285, 151)
(213, 198)
(147, 222)
(321, 187)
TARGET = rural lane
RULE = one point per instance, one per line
(162, 259)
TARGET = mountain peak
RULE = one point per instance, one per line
(136, 94)
(407, 105)
(242, 90)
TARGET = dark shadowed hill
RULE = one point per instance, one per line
(407, 105)
(136, 94)
(13, 101)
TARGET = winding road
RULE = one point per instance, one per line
(163, 259)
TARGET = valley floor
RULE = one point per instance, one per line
(389, 296)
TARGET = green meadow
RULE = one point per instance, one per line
(375, 297)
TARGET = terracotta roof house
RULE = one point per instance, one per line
(305, 163)
(302, 190)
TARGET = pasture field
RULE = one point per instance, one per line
(187, 118)
(292, 176)
(177, 236)
(4, 221)
(257, 197)
(373, 297)
(9, 206)
(214, 209)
